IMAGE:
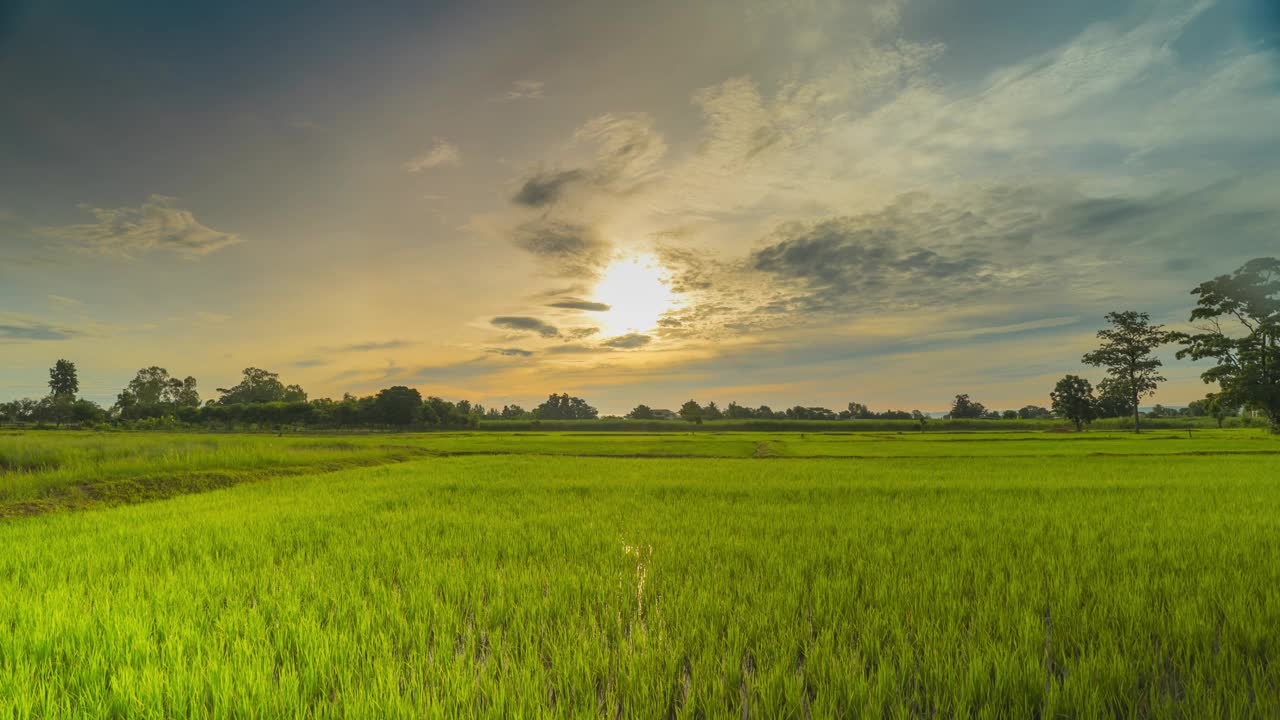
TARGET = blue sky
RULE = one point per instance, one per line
(779, 202)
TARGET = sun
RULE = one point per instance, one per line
(637, 293)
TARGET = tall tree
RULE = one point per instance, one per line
(63, 381)
(1247, 350)
(1073, 399)
(962, 408)
(1126, 353)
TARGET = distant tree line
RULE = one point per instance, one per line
(154, 398)
(1236, 325)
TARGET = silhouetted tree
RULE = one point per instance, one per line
(565, 407)
(1114, 400)
(1073, 399)
(63, 380)
(398, 405)
(1248, 353)
(1126, 353)
(1033, 412)
(260, 386)
(641, 412)
(153, 393)
(962, 408)
(691, 411)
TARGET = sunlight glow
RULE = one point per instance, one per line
(637, 292)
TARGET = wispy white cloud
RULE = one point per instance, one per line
(155, 225)
(525, 90)
(63, 301)
(441, 154)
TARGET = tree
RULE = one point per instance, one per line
(691, 411)
(1198, 408)
(1009, 415)
(153, 393)
(1073, 399)
(1247, 351)
(1033, 412)
(63, 381)
(712, 412)
(1126, 353)
(1218, 408)
(87, 411)
(258, 386)
(962, 408)
(1114, 400)
(565, 407)
(641, 412)
(398, 405)
(858, 411)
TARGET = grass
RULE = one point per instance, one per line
(950, 576)
(47, 471)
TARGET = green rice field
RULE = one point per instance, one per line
(676, 575)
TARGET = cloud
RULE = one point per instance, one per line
(525, 90)
(510, 352)
(629, 341)
(64, 301)
(316, 362)
(545, 188)
(368, 346)
(585, 305)
(575, 349)
(155, 225)
(526, 324)
(442, 154)
(628, 150)
(212, 317)
(18, 328)
(571, 249)
(619, 155)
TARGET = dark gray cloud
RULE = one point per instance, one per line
(841, 259)
(545, 188)
(526, 324)
(511, 352)
(15, 332)
(586, 305)
(629, 341)
(572, 249)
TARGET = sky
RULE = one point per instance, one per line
(763, 201)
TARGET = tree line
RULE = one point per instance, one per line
(1235, 323)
